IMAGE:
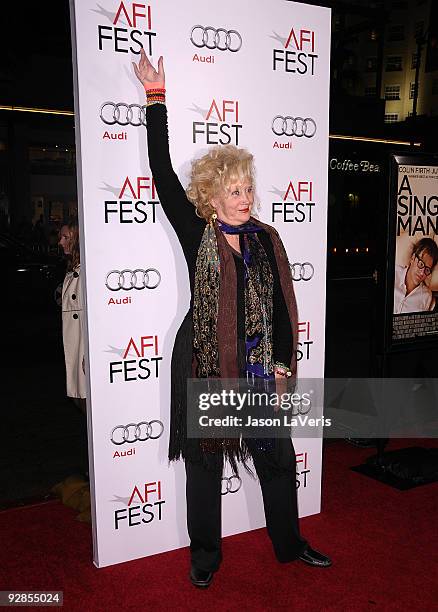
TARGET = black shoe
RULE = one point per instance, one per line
(313, 557)
(200, 578)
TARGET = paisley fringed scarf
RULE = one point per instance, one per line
(212, 332)
(258, 302)
(258, 285)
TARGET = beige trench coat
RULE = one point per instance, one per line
(72, 333)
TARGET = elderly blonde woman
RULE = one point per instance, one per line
(242, 319)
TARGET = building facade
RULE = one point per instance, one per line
(406, 37)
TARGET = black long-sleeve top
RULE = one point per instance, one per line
(189, 228)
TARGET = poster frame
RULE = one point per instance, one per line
(425, 342)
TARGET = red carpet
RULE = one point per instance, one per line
(383, 542)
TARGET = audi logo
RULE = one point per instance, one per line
(302, 271)
(294, 126)
(123, 114)
(136, 432)
(212, 38)
(230, 485)
(132, 279)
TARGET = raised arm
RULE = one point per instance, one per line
(179, 211)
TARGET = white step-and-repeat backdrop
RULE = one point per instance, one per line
(254, 74)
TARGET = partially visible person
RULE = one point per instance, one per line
(72, 315)
(411, 294)
(74, 490)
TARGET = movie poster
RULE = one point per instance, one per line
(415, 296)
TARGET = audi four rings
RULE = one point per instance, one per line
(302, 271)
(294, 126)
(228, 486)
(137, 432)
(123, 114)
(132, 279)
(212, 38)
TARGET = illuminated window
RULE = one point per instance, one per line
(412, 90)
(353, 199)
(391, 118)
(393, 63)
(392, 92)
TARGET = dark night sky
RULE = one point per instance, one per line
(46, 25)
(35, 59)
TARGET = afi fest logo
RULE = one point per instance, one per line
(210, 39)
(302, 469)
(131, 204)
(140, 360)
(295, 204)
(142, 507)
(130, 29)
(305, 342)
(220, 124)
(297, 52)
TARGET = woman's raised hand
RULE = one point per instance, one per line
(146, 73)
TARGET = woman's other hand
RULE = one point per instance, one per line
(146, 73)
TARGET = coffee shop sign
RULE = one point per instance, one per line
(348, 165)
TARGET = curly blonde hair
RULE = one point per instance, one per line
(213, 174)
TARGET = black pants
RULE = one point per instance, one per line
(203, 491)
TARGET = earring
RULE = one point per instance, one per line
(213, 218)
